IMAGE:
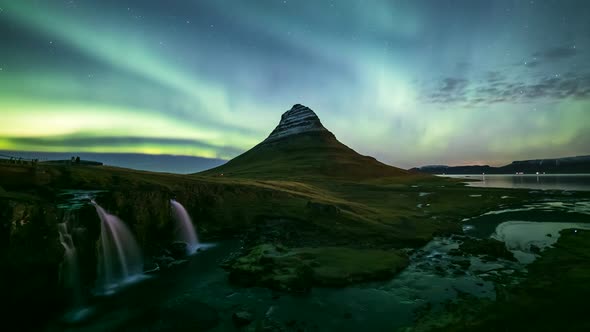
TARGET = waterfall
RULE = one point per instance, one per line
(187, 231)
(120, 260)
(70, 272)
(70, 275)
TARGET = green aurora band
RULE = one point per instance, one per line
(411, 83)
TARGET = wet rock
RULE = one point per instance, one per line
(177, 263)
(163, 260)
(459, 273)
(464, 264)
(534, 249)
(439, 270)
(491, 249)
(242, 318)
(179, 249)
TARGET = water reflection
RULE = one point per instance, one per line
(529, 181)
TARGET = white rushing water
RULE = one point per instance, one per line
(186, 232)
(120, 260)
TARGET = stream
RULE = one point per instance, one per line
(196, 295)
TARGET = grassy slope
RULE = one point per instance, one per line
(378, 210)
(304, 156)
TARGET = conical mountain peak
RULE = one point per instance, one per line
(299, 119)
(301, 147)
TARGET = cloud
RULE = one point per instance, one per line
(557, 53)
(494, 76)
(449, 90)
(495, 89)
(451, 84)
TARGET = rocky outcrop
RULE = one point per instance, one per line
(30, 255)
(271, 266)
(242, 318)
(489, 249)
(299, 119)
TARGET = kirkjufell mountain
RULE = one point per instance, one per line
(300, 146)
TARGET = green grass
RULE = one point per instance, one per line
(301, 157)
(338, 266)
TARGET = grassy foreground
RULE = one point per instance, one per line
(319, 218)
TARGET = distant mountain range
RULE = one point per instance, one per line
(145, 162)
(568, 165)
(301, 147)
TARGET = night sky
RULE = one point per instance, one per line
(409, 82)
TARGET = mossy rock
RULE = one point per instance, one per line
(299, 269)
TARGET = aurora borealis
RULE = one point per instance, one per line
(409, 82)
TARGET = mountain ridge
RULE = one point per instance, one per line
(567, 165)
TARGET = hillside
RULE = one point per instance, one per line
(301, 147)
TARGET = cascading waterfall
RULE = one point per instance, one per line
(120, 260)
(186, 231)
(70, 271)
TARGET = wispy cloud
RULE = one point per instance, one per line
(495, 89)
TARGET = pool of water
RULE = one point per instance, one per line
(532, 227)
(524, 238)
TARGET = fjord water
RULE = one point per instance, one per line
(528, 181)
(120, 260)
(186, 231)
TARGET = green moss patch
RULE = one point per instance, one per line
(299, 269)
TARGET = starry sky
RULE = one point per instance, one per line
(409, 82)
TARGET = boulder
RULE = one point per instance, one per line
(176, 263)
(178, 249)
(242, 318)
